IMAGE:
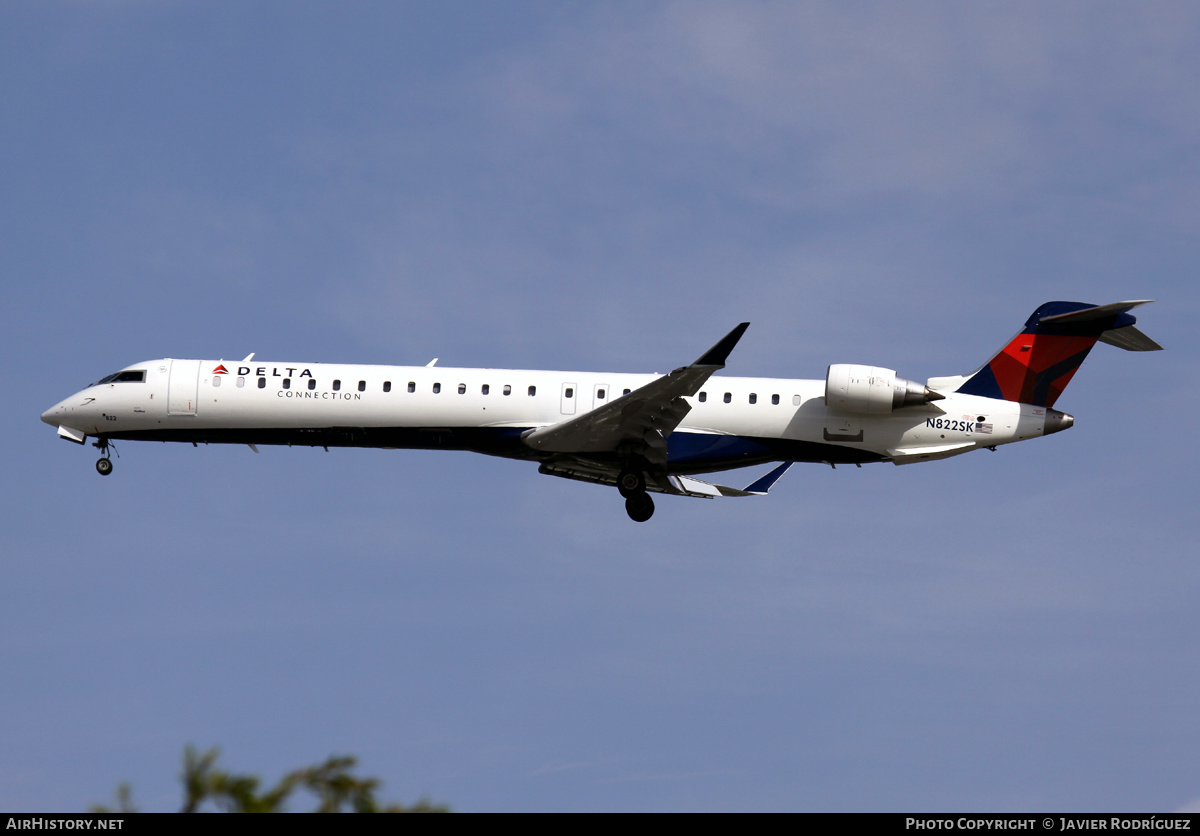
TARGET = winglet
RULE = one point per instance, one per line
(717, 355)
(765, 483)
(691, 486)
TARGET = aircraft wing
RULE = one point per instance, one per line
(640, 421)
(604, 474)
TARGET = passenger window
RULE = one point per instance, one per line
(437, 387)
(287, 383)
(728, 397)
(532, 391)
(600, 394)
(462, 388)
(216, 381)
(775, 400)
(387, 386)
(262, 383)
(703, 397)
(507, 389)
(570, 393)
(337, 386)
(795, 400)
(312, 383)
(412, 386)
(485, 389)
(753, 397)
(362, 386)
(241, 382)
(626, 392)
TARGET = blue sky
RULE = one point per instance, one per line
(609, 187)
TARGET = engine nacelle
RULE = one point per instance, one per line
(872, 390)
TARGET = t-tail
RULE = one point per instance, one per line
(1038, 363)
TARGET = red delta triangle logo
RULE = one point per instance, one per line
(220, 369)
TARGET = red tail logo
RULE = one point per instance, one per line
(220, 369)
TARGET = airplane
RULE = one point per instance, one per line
(641, 433)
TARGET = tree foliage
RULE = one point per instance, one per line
(336, 790)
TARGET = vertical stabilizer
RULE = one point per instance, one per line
(1038, 363)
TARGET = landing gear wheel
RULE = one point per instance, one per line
(639, 507)
(631, 482)
(104, 467)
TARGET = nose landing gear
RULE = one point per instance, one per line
(104, 466)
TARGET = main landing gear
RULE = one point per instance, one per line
(104, 466)
(639, 507)
(638, 504)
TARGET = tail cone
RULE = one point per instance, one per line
(1057, 421)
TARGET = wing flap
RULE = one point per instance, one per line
(910, 455)
(583, 470)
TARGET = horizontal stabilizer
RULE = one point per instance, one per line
(1095, 311)
(1130, 339)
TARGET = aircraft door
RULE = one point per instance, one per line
(570, 394)
(182, 387)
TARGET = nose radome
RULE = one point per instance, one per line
(59, 413)
(1057, 422)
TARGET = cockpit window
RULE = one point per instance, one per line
(124, 377)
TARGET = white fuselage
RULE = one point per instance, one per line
(734, 421)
